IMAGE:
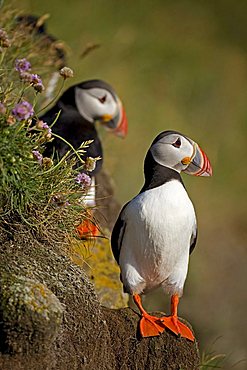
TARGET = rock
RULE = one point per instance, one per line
(96, 258)
(41, 285)
(28, 257)
(166, 352)
(30, 315)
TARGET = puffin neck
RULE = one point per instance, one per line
(68, 97)
(156, 174)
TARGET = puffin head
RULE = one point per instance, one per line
(178, 152)
(97, 101)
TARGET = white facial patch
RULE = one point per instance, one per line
(95, 103)
(168, 155)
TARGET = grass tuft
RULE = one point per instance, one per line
(34, 189)
(212, 361)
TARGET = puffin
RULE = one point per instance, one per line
(156, 231)
(38, 26)
(75, 114)
(78, 110)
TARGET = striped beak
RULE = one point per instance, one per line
(198, 163)
(122, 124)
(118, 125)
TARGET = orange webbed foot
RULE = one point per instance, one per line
(177, 327)
(87, 229)
(151, 326)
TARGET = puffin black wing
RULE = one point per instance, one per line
(193, 238)
(118, 234)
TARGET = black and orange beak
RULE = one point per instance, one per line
(118, 125)
(198, 163)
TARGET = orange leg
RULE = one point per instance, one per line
(150, 326)
(174, 324)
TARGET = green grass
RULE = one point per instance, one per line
(211, 361)
(35, 191)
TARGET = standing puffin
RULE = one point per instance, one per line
(156, 231)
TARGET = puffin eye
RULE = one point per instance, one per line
(103, 99)
(177, 143)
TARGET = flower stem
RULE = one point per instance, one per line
(52, 101)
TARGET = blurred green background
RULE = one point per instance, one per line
(178, 65)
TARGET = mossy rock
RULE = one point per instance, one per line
(31, 260)
(30, 315)
(89, 337)
(96, 258)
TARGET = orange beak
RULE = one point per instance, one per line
(118, 125)
(199, 164)
(122, 125)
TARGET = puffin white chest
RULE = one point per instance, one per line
(159, 228)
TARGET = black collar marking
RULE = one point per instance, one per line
(156, 174)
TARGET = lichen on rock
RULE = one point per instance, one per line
(30, 314)
(40, 286)
(95, 256)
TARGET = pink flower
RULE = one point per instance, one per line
(83, 180)
(23, 110)
(38, 156)
(37, 83)
(22, 65)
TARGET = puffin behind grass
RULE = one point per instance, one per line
(156, 231)
(80, 107)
